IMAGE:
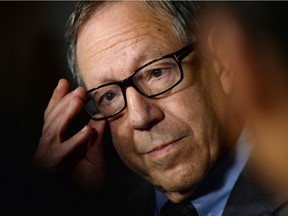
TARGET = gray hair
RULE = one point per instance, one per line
(182, 14)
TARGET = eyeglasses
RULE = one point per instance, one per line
(151, 79)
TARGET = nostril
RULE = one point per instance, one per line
(143, 112)
(145, 118)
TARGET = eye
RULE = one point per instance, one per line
(157, 72)
(107, 97)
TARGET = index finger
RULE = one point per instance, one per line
(59, 92)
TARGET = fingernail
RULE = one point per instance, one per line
(84, 128)
(78, 91)
(75, 91)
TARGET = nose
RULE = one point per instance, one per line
(143, 112)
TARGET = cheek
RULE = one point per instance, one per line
(195, 109)
(203, 116)
(122, 138)
(191, 108)
(123, 141)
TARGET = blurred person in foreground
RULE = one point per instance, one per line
(164, 93)
(257, 58)
(261, 86)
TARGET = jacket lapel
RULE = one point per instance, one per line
(249, 198)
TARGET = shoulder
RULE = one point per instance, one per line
(250, 197)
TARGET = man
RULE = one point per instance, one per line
(167, 107)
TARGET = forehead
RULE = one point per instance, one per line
(119, 37)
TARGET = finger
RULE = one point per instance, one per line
(82, 137)
(99, 126)
(90, 172)
(59, 92)
(95, 146)
(50, 152)
(60, 117)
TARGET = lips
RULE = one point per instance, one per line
(163, 148)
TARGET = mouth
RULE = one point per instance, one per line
(164, 148)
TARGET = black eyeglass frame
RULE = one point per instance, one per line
(178, 56)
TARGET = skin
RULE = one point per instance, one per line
(172, 140)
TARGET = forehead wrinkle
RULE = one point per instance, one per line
(98, 56)
(135, 31)
(113, 69)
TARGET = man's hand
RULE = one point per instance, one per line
(53, 148)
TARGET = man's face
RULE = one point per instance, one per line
(171, 140)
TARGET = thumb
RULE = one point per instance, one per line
(90, 172)
(95, 152)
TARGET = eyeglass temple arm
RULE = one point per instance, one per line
(181, 54)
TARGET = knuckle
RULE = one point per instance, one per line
(80, 91)
(75, 103)
(48, 133)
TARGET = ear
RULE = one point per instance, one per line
(222, 43)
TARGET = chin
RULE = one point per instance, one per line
(177, 187)
(180, 191)
(177, 197)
